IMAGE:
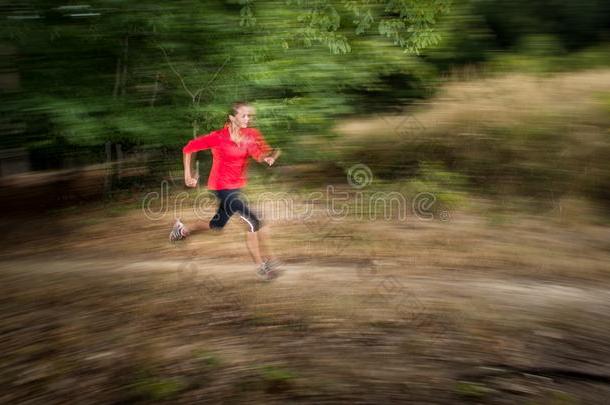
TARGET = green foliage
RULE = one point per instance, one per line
(206, 359)
(477, 31)
(548, 59)
(157, 73)
(446, 189)
(276, 379)
(160, 72)
(150, 388)
(275, 374)
(472, 390)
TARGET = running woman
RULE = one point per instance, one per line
(231, 147)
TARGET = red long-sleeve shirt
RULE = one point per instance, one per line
(230, 161)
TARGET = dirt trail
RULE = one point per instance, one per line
(499, 288)
(423, 312)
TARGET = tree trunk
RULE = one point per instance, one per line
(155, 90)
(124, 76)
(117, 78)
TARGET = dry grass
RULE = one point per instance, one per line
(506, 100)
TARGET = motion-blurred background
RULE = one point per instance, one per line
(489, 117)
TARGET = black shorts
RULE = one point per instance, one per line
(230, 202)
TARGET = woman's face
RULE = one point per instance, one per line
(243, 117)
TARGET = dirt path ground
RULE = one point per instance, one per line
(424, 312)
(188, 331)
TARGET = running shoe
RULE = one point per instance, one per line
(264, 272)
(273, 263)
(274, 266)
(176, 233)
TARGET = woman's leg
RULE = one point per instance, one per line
(253, 247)
(258, 245)
(256, 237)
(263, 242)
(196, 228)
(230, 202)
(218, 221)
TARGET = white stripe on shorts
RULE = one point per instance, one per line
(249, 223)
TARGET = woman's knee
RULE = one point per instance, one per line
(217, 224)
(254, 224)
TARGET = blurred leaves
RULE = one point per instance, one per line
(159, 72)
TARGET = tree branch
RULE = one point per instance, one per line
(176, 73)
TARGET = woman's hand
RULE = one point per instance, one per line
(271, 159)
(191, 181)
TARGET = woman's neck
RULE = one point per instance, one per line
(235, 133)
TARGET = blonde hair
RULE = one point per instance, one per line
(233, 111)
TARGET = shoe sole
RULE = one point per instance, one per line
(264, 279)
(273, 274)
(269, 276)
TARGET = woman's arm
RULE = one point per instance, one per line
(189, 179)
(193, 146)
(260, 150)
